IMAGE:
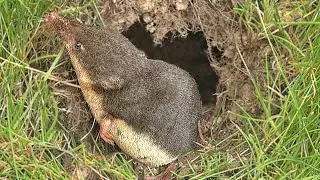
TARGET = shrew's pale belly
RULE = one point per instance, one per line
(93, 98)
(139, 146)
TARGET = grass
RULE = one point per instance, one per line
(283, 145)
(290, 147)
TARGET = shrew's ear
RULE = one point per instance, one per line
(111, 82)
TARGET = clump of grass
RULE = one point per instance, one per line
(29, 113)
(289, 147)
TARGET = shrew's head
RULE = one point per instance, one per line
(85, 43)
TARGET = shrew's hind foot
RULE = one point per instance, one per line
(166, 175)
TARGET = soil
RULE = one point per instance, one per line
(210, 44)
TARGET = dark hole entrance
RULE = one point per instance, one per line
(187, 53)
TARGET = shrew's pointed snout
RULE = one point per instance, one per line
(52, 16)
(60, 24)
(57, 21)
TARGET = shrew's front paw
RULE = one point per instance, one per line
(105, 129)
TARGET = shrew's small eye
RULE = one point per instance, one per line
(78, 46)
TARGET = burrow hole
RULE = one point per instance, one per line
(187, 53)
